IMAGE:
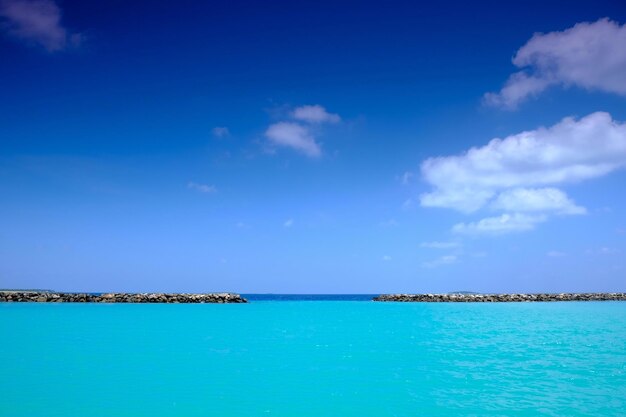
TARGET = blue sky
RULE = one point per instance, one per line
(312, 147)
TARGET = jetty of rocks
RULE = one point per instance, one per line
(59, 297)
(500, 298)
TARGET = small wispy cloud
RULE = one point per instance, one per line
(555, 254)
(441, 261)
(441, 245)
(603, 250)
(294, 136)
(389, 223)
(406, 177)
(203, 188)
(408, 204)
(37, 22)
(288, 223)
(220, 132)
(386, 258)
(506, 223)
(314, 114)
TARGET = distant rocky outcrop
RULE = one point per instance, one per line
(499, 298)
(58, 297)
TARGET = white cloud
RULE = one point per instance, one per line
(506, 223)
(570, 151)
(386, 258)
(37, 22)
(442, 260)
(220, 132)
(295, 136)
(440, 245)
(314, 114)
(536, 199)
(288, 223)
(203, 188)
(556, 254)
(588, 55)
(300, 135)
(407, 177)
(462, 199)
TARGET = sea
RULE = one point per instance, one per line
(313, 356)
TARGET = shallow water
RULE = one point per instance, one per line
(316, 358)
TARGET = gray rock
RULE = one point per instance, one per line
(12, 296)
(494, 298)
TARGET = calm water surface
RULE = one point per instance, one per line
(317, 358)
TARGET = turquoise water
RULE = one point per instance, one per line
(316, 358)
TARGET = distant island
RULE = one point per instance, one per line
(463, 292)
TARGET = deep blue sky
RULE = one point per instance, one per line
(112, 177)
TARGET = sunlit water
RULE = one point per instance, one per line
(316, 358)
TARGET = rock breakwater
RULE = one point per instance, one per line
(500, 298)
(58, 297)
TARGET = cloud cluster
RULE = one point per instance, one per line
(589, 55)
(37, 22)
(298, 134)
(516, 175)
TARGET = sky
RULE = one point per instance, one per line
(313, 147)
